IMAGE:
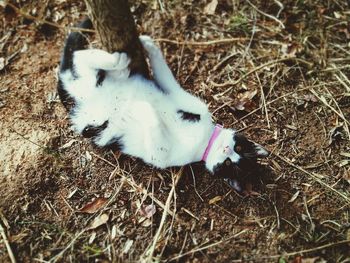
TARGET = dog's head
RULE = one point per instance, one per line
(233, 157)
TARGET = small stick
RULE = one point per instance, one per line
(7, 244)
(227, 83)
(270, 102)
(150, 250)
(190, 213)
(71, 243)
(314, 177)
(209, 246)
(307, 250)
(42, 21)
(329, 106)
(135, 185)
(267, 15)
(204, 43)
(340, 112)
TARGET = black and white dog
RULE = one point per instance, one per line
(156, 121)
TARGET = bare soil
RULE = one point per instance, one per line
(298, 108)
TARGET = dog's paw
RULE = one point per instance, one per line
(149, 45)
(121, 61)
(121, 74)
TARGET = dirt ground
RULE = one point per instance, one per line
(277, 71)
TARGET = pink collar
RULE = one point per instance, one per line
(212, 139)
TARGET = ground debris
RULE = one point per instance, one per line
(286, 76)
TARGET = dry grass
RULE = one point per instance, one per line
(292, 55)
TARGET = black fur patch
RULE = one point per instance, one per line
(101, 75)
(244, 147)
(75, 41)
(189, 116)
(67, 101)
(93, 131)
(115, 144)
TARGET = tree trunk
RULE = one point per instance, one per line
(116, 27)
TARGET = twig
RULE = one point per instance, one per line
(189, 213)
(267, 15)
(208, 246)
(38, 145)
(340, 112)
(204, 43)
(322, 99)
(263, 99)
(180, 60)
(42, 21)
(150, 251)
(277, 216)
(281, 6)
(270, 102)
(307, 250)
(116, 192)
(71, 243)
(347, 87)
(133, 184)
(308, 214)
(194, 184)
(224, 60)
(232, 83)
(7, 244)
(314, 176)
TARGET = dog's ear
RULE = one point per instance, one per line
(247, 148)
(260, 151)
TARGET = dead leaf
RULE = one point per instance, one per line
(146, 223)
(99, 221)
(310, 97)
(210, 8)
(68, 144)
(88, 156)
(344, 163)
(337, 15)
(114, 232)
(215, 199)
(70, 195)
(24, 48)
(92, 238)
(297, 259)
(127, 246)
(295, 196)
(248, 191)
(336, 134)
(2, 63)
(291, 127)
(290, 50)
(345, 154)
(313, 260)
(245, 101)
(148, 211)
(94, 206)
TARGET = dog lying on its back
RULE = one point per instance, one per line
(156, 121)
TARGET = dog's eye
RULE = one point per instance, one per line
(238, 148)
(228, 162)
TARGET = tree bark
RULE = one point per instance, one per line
(117, 30)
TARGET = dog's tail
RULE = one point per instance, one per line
(75, 41)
